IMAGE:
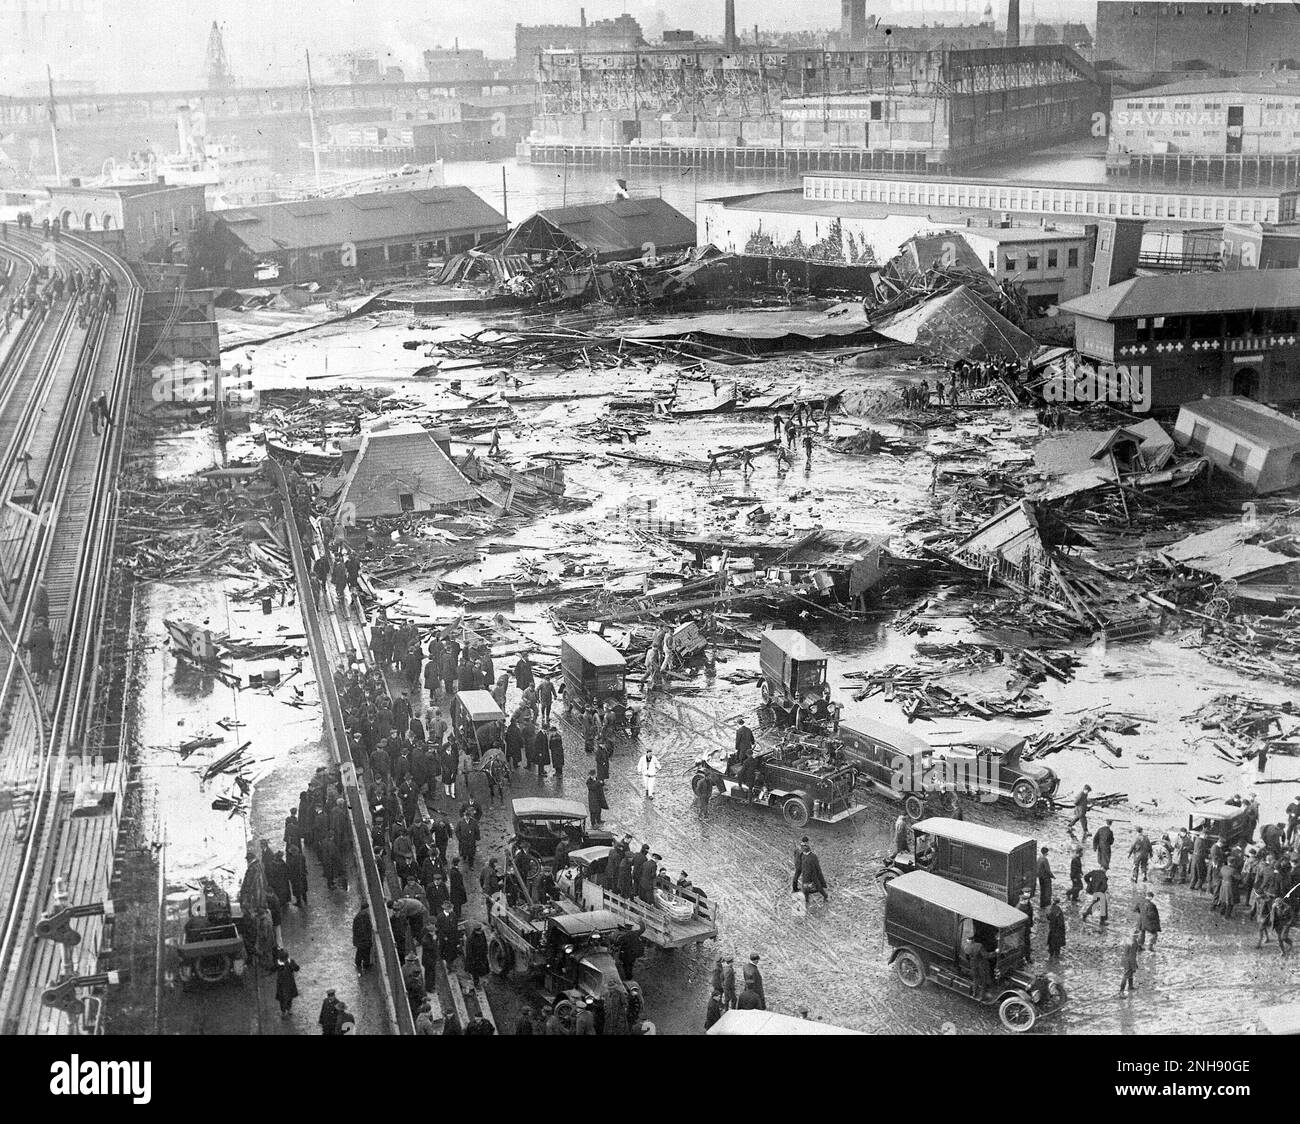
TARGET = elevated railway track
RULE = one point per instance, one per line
(57, 509)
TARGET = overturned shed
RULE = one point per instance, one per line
(399, 470)
(1257, 446)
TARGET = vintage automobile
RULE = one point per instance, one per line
(990, 768)
(895, 764)
(806, 778)
(1231, 824)
(540, 822)
(928, 919)
(567, 945)
(993, 862)
(794, 673)
(594, 671)
(211, 948)
(678, 917)
(476, 717)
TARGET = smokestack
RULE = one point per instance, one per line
(582, 18)
(729, 39)
(1013, 23)
(853, 22)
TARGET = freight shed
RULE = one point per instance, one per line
(615, 231)
(359, 234)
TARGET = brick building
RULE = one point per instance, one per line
(149, 215)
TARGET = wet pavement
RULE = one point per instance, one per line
(177, 702)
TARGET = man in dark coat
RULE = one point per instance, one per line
(631, 947)
(448, 930)
(1044, 879)
(625, 877)
(1148, 920)
(1055, 928)
(523, 672)
(292, 830)
(541, 755)
(714, 1010)
(277, 875)
(467, 837)
(1102, 842)
(328, 1021)
(296, 865)
(744, 741)
(363, 938)
(1076, 875)
(811, 879)
(638, 861)
(555, 747)
(1140, 853)
(646, 876)
(754, 980)
(596, 802)
(286, 987)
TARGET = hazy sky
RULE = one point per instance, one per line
(159, 44)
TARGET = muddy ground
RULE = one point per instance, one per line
(1206, 975)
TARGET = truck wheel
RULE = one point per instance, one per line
(910, 968)
(1017, 1014)
(700, 784)
(795, 811)
(212, 968)
(914, 807)
(1025, 794)
(501, 958)
(565, 1012)
(530, 865)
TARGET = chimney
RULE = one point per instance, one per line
(582, 18)
(729, 39)
(853, 23)
(1013, 23)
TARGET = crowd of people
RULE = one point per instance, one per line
(964, 377)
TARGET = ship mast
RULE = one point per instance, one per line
(311, 115)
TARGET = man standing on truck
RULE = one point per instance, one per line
(744, 742)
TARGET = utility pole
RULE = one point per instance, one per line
(54, 131)
(311, 116)
(505, 202)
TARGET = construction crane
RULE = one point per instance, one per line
(219, 75)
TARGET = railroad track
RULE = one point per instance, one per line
(61, 556)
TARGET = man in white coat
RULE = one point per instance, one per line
(648, 767)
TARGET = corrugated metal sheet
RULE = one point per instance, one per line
(387, 215)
